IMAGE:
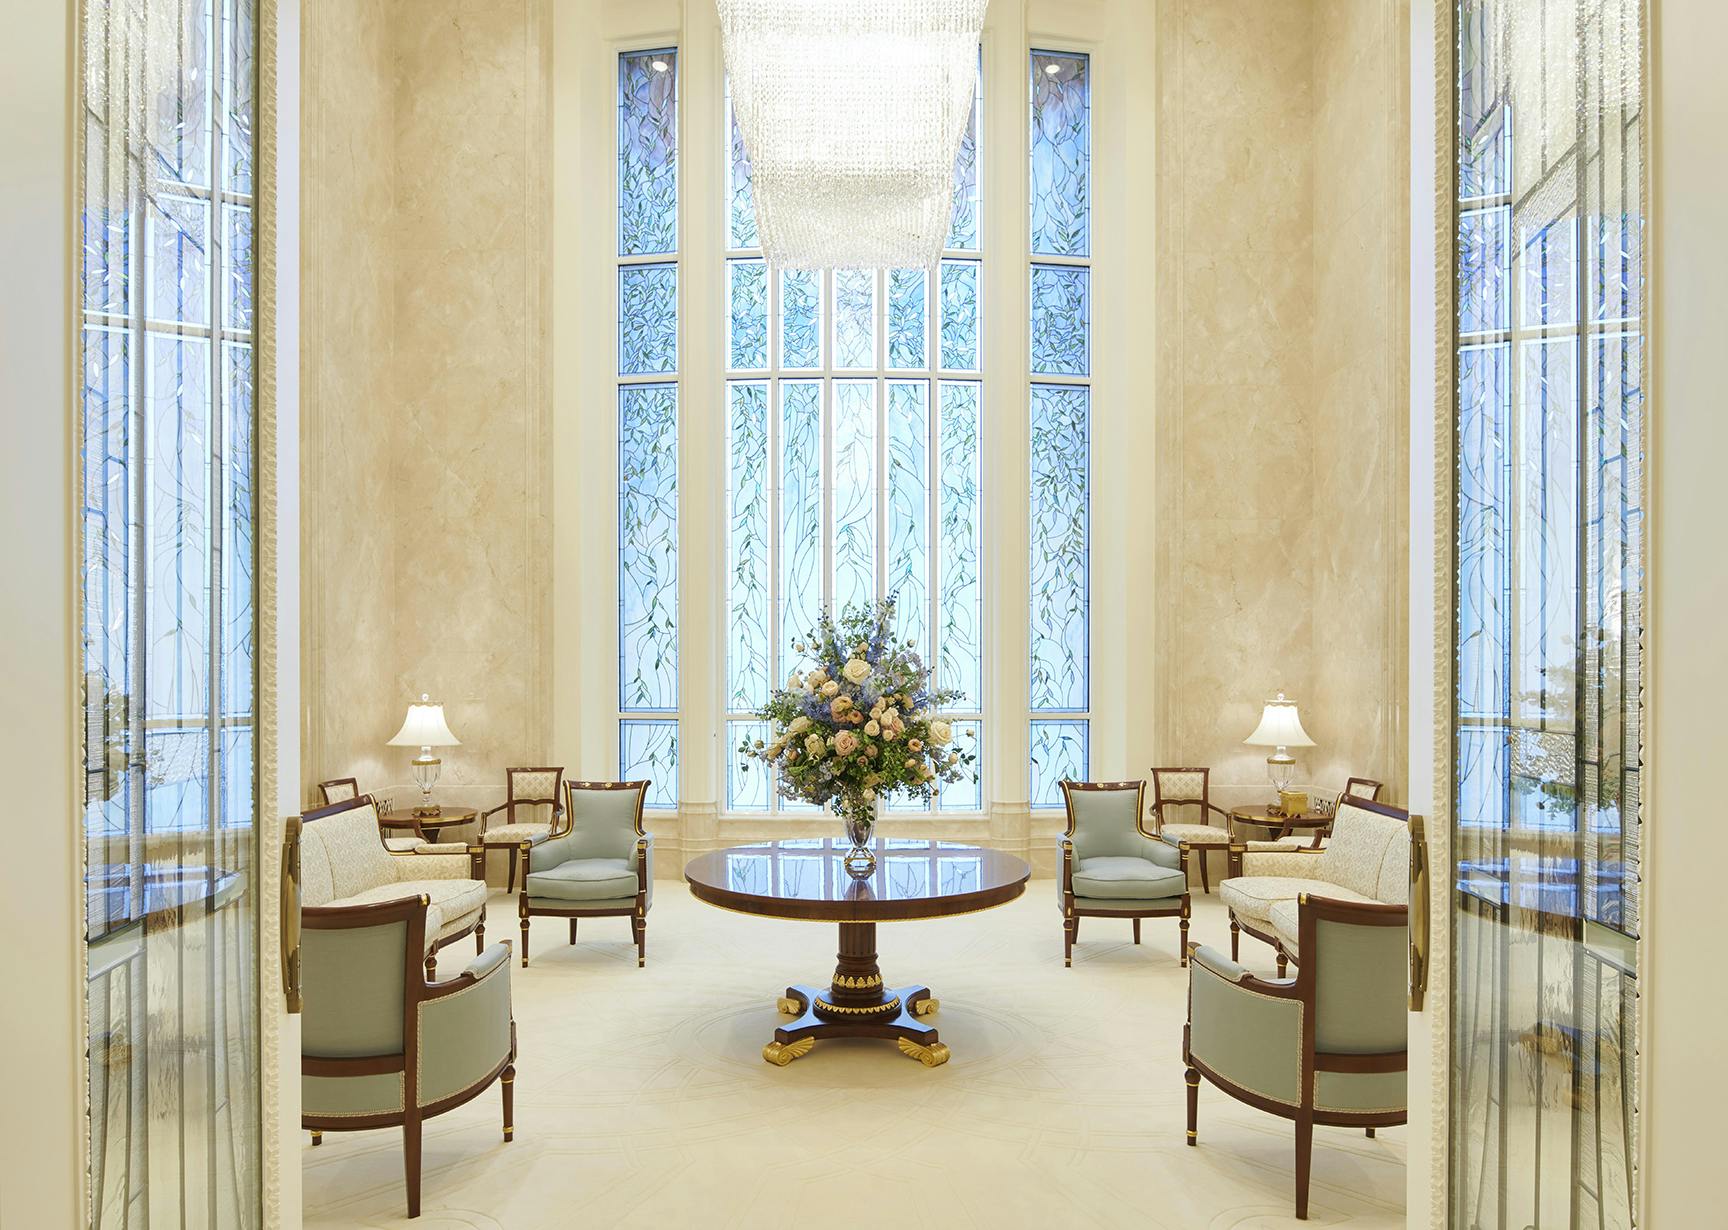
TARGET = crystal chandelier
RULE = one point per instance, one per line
(852, 112)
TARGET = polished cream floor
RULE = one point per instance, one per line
(642, 1099)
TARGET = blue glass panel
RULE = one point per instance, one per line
(1484, 561)
(238, 238)
(649, 750)
(1061, 533)
(240, 93)
(647, 152)
(748, 652)
(177, 235)
(801, 486)
(960, 330)
(909, 510)
(236, 497)
(178, 116)
(1483, 254)
(740, 202)
(1484, 144)
(177, 472)
(960, 610)
(1550, 274)
(647, 320)
(1616, 267)
(746, 780)
(854, 513)
(800, 319)
(106, 256)
(648, 547)
(967, 794)
(855, 318)
(747, 321)
(1546, 516)
(1061, 320)
(1059, 754)
(1061, 154)
(964, 227)
(908, 319)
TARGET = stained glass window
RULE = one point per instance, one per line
(1059, 178)
(854, 445)
(648, 412)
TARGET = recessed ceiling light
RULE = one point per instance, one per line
(659, 66)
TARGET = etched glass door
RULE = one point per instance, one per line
(1549, 450)
(167, 127)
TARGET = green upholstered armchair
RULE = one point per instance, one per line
(533, 813)
(1113, 868)
(602, 866)
(1326, 1047)
(381, 1046)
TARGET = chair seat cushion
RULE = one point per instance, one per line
(1296, 842)
(1194, 834)
(1252, 897)
(1283, 917)
(584, 879)
(510, 834)
(1127, 878)
(454, 903)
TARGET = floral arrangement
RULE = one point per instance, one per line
(861, 724)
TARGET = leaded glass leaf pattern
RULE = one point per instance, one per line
(648, 320)
(855, 318)
(960, 608)
(966, 794)
(238, 253)
(746, 783)
(1550, 266)
(908, 319)
(1484, 562)
(748, 653)
(1061, 320)
(740, 204)
(177, 234)
(1059, 753)
(960, 325)
(965, 227)
(647, 153)
(1061, 533)
(747, 319)
(1483, 236)
(648, 749)
(800, 319)
(1061, 154)
(854, 493)
(648, 547)
(801, 488)
(909, 509)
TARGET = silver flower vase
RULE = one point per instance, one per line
(859, 824)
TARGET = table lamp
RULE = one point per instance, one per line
(425, 728)
(1280, 729)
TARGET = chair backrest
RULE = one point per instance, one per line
(1362, 788)
(527, 790)
(1104, 817)
(604, 818)
(1181, 788)
(342, 851)
(1369, 851)
(1355, 958)
(358, 966)
(339, 790)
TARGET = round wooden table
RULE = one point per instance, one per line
(1261, 816)
(427, 828)
(804, 880)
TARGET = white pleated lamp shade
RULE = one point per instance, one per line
(425, 726)
(1280, 726)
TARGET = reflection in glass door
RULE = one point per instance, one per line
(167, 134)
(1549, 450)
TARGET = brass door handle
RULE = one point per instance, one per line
(291, 913)
(1419, 932)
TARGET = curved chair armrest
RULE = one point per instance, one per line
(1297, 863)
(1247, 1030)
(440, 863)
(1157, 850)
(466, 1032)
(1065, 875)
(1236, 974)
(434, 847)
(496, 956)
(1224, 812)
(645, 858)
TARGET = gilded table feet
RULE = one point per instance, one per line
(925, 1007)
(787, 1006)
(782, 1053)
(930, 1056)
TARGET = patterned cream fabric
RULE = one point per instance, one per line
(506, 834)
(1284, 917)
(1358, 847)
(358, 859)
(1195, 834)
(337, 792)
(434, 866)
(533, 784)
(1303, 864)
(1180, 785)
(1252, 897)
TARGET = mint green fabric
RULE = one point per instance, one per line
(1124, 905)
(584, 879)
(1105, 823)
(465, 1035)
(561, 903)
(1127, 877)
(602, 825)
(1248, 1038)
(1363, 1091)
(1360, 988)
(351, 980)
(378, 1094)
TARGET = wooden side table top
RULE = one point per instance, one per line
(1260, 815)
(449, 817)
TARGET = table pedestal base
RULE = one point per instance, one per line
(857, 1005)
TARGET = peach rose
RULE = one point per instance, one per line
(845, 743)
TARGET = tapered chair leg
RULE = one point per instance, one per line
(1070, 933)
(508, 1081)
(1192, 1079)
(1283, 963)
(641, 926)
(1182, 950)
(411, 1161)
(1369, 1132)
(1304, 1158)
(572, 930)
(1235, 939)
(524, 941)
(515, 857)
(317, 1138)
(480, 934)
(1136, 930)
(1205, 875)
(432, 966)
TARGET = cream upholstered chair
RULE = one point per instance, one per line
(380, 1045)
(1113, 868)
(532, 814)
(1355, 787)
(343, 862)
(339, 790)
(601, 866)
(1367, 860)
(1175, 789)
(1328, 1046)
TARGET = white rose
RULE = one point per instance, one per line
(830, 688)
(795, 681)
(940, 732)
(872, 728)
(857, 670)
(798, 726)
(814, 746)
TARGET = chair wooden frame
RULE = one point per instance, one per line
(1303, 989)
(1163, 907)
(637, 913)
(1285, 957)
(417, 990)
(1351, 790)
(324, 790)
(476, 861)
(1207, 806)
(518, 847)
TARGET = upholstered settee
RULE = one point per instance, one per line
(1366, 860)
(344, 862)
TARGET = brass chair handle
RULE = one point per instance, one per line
(291, 913)
(1419, 932)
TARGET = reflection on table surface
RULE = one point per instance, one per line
(809, 869)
